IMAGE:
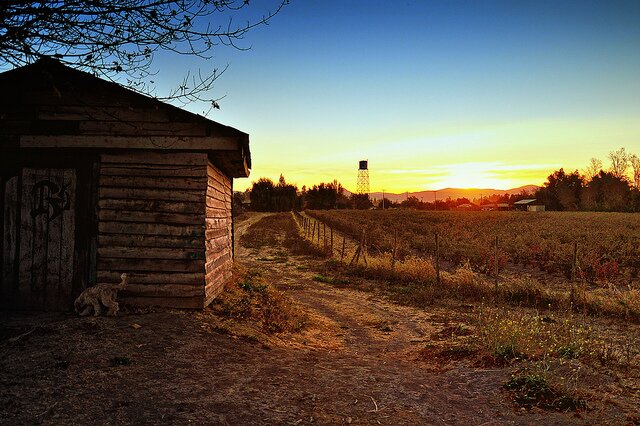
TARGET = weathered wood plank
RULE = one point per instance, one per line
(219, 181)
(150, 229)
(215, 173)
(215, 223)
(213, 290)
(175, 278)
(159, 158)
(152, 170)
(222, 196)
(218, 213)
(217, 186)
(151, 194)
(215, 243)
(208, 143)
(218, 199)
(149, 265)
(169, 302)
(214, 255)
(163, 290)
(219, 277)
(153, 206)
(199, 184)
(135, 128)
(216, 276)
(159, 241)
(27, 243)
(214, 233)
(40, 97)
(150, 253)
(216, 249)
(104, 113)
(223, 259)
(150, 217)
(68, 244)
(37, 127)
(10, 237)
(223, 273)
(53, 286)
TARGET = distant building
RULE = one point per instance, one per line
(467, 207)
(495, 207)
(530, 205)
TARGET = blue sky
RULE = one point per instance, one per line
(434, 93)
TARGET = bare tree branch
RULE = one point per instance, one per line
(118, 39)
(619, 163)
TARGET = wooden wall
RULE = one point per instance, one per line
(219, 232)
(151, 225)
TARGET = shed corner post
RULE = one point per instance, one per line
(233, 222)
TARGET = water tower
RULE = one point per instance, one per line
(362, 186)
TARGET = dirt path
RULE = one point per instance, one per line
(366, 356)
(360, 361)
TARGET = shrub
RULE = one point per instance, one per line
(532, 388)
(508, 336)
(248, 297)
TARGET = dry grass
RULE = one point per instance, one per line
(413, 279)
(248, 297)
(279, 229)
(509, 335)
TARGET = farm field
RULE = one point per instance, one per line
(608, 243)
(535, 255)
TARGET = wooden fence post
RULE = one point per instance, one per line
(324, 236)
(331, 231)
(495, 264)
(343, 246)
(437, 260)
(574, 266)
(318, 232)
(313, 231)
(364, 247)
(356, 256)
(395, 249)
(574, 263)
(359, 251)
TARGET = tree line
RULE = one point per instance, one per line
(266, 195)
(615, 189)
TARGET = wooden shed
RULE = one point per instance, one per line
(97, 180)
(530, 205)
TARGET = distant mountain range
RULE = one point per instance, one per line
(453, 193)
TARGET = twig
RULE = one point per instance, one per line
(375, 404)
(16, 338)
(48, 410)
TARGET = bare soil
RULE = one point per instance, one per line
(362, 359)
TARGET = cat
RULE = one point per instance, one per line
(93, 299)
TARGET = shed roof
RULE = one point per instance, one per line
(526, 202)
(50, 105)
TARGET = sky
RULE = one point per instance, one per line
(435, 94)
